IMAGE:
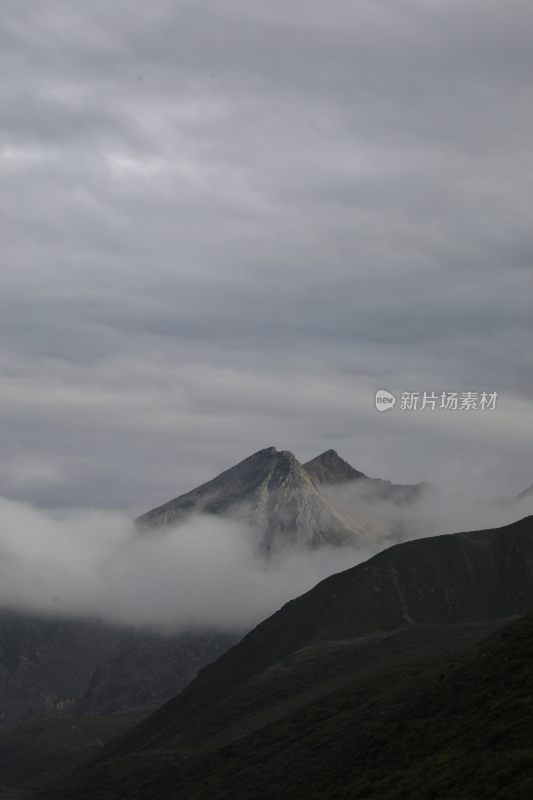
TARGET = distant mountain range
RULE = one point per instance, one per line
(390, 674)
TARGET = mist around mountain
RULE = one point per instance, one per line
(269, 527)
(108, 617)
(88, 595)
(406, 676)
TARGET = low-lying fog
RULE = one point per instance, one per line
(206, 572)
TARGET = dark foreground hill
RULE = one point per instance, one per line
(372, 685)
(462, 730)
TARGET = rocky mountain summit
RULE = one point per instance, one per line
(287, 503)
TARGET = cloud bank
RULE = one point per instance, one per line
(206, 573)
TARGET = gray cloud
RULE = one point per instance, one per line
(225, 224)
(206, 572)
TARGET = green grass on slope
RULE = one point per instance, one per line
(460, 733)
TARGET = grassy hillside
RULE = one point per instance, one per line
(464, 731)
(343, 675)
(462, 579)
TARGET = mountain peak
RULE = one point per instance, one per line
(329, 468)
(266, 451)
(277, 496)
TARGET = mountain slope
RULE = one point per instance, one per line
(458, 578)
(54, 667)
(527, 494)
(45, 664)
(367, 631)
(330, 469)
(41, 748)
(68, 686)
(271, 491)
(463, 730)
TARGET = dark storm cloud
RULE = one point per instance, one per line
(225, 224)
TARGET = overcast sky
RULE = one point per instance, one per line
(225, 224)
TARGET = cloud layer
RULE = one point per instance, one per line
(206, 573)
(226, 224)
